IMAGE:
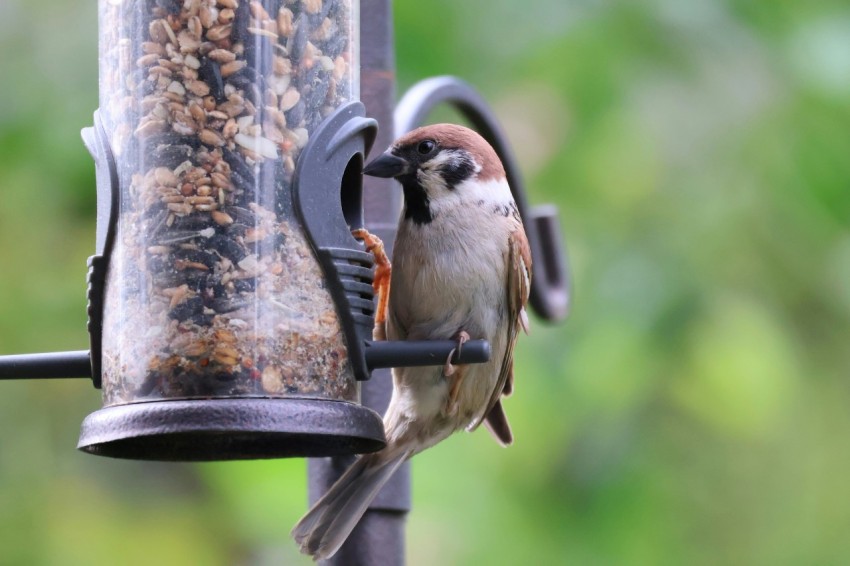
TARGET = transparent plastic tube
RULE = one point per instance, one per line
(213, 290)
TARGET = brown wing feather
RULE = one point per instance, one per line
(508, 390)
(497, 423)
(517, 289)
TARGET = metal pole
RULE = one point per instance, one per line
(379, 538)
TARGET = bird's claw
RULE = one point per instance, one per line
(381, 282)
(449, 368)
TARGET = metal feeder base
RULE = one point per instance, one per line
(231, 429)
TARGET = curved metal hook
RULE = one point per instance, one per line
(550, 282)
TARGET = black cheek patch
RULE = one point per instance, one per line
(457, 171)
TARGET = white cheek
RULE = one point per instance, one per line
(491, 192)
(431, 179)
(430, 175)
(488, 194)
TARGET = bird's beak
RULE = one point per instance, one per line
(387, 165)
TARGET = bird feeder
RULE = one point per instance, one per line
(212, 290)
(230, 307)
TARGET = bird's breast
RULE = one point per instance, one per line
(445, 280)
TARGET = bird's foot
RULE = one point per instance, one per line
(381, 282)
(454, 392)
(457, 371)
(462, 338)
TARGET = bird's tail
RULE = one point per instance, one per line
(323, 530)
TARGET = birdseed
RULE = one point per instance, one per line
(213, 290)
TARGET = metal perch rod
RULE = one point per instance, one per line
(378, 355)
(46, 366)
(425, 353)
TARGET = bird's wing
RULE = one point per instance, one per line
(393, 328)
(517, 287)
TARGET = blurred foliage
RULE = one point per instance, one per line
(691, 410)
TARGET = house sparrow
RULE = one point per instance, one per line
(461, 270)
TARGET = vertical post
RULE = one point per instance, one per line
(379, 538)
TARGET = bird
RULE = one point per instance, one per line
(461, 270)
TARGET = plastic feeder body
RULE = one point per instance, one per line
(213, 289)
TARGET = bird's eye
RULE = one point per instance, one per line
(426, 147)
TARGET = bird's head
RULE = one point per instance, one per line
(442, 166)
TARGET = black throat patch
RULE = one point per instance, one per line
(416, 203)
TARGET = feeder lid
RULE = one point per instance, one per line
(231, 429)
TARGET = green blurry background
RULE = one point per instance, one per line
(693, 409)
